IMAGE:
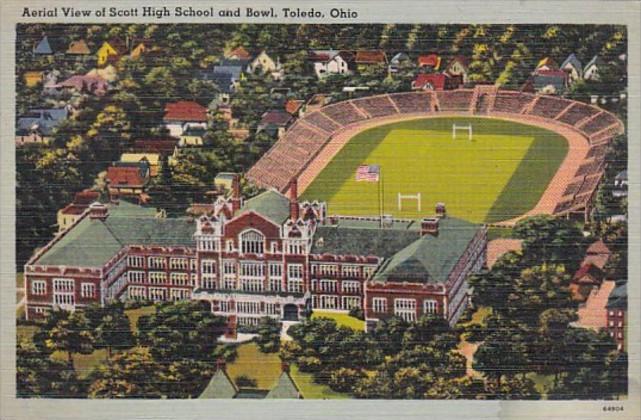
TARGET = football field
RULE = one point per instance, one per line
(500, 174)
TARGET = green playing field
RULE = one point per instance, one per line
(499, 174)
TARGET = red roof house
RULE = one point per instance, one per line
(239, 53)
(436, 81)
(163, 146)
(430, 60)
(183, 111)
(370, 57)
(120, 177)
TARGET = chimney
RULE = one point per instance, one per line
(235, 193)
(429, 226)
(294, 208)
(284, 367)
(441, 212)
(98, 211)
(220, 364)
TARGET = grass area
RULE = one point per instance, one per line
(19, 280)
(83, 363)
(265, 368)
(341, 319)
(499, 233)
(500, 174)
(134, 314)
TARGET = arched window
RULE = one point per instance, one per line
(252, 242)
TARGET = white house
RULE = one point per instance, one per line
(591, 70)
(331, 62)
(573, 67)
(265, 64)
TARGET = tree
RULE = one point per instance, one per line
(65, 331)
(181, 330)
(268, 339)
(389, 334)
(37, 375)
(499, 356)
(111, 327)
(345, 379)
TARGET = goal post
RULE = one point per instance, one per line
(416, 197)
(457, 127)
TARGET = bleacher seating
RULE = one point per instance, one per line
(412, 102)
(549, 106)
(577, 113)
(590, 168)
(321, 121)
(343, 113)
(512, 102)
(376, 106)
(606, 135)
(598, 123)
(455, 100)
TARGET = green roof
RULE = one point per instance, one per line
(271, 204)
(285, 388)
(220, 386)
(92, 243)
(618, 298)
(430, 259)
(342, 240)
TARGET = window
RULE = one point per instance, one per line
(223, 306)
(429, 306)
(207, 245)
(272, 309)
(620, 324)
(274, 247)
(229, 268)
(208, 266)
(379, 304)
(328, 301)
(157, 277)
(368, 271)
(611, 313)
(611, 323)
(405, 308)
(38, 287)
(275, 284)
(275, 270)
(179, 279)
(295, 247)
(620, 313)
(350, 302)
(178, 263)
(248, 307)
(136, 261)
(157, 293)
(157, 262)
(328, 270)
(295, 278)
(252, 275)
(352, 287)
(87, 290)
(179, 294)
(63, 292)
(251, 242)
(137, 292)
(328, 286)
(619, 334)
(350, 271)
(136, 276)
(229, 245)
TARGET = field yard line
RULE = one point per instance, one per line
(577, 150)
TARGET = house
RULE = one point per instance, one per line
(43, 47)
(226, 75)
(78, 48)
(546, 64)
(364, 59)
(264, 64)
(192, 136)
(239, 53)
(326, 62)
(597, 254)
(162, 146)
(275, 122)
(151, 160)
(271, 255)
(458, 66)
(617, 313)
(127, 179)
(621, 184)
(293, 106)
(285, 388)
(436, 81)
(573, 67)
(81, 84)
(399, 61)
(224, 180)
(429, 61)
(144, 47)
(33, 78)
(69, 214)
(550, 82)
(109, 51)
(591, 70)
(587, 278)
(38, 125)
(179, 113)
(108, 73)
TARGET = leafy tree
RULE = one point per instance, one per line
(37, 375)
(181, 330)
(65, 331)
(268, 339)
(111, 327)
(345, 379)
(497, 357)
(389, 334)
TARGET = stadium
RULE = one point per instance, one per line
(493, 156)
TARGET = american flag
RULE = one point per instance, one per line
(368, 173)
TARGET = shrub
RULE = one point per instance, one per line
(244, 381)
(345, 379)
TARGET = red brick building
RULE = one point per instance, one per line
(267, 256)
(617, 310)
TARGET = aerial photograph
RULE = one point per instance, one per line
(321, 211)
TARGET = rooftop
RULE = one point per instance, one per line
(185, 111)
(271, 204)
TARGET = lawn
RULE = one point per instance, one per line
(341, 319)
(265, 368)
(498, 175)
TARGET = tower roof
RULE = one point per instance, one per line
(285, 388)
(220, 386)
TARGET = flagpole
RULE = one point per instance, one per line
(380, 196)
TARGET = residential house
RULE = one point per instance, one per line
(546, 64)
(436, 81)
(69, 214)
(550, 82)
(597, 254)
(150, 160)
(43, 47)
(144, 47)
(368, 58)
(586, 279)
(573, 67)
(293, 106)
(80, 84)
(591, 70)
(33, 77)
(108, 73)
(192, 136)
(326, 62)
(621, 184)
(263, 63)
(274, 122)
(224, 180)
(163, 146)
(127, 179)
(78, 48)
(617, 313)
(37, 125)
(458, 66)
(239, 53)
(226, 75)
(429, 62)
(109, 51)
(399, 61)
(179, 113)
